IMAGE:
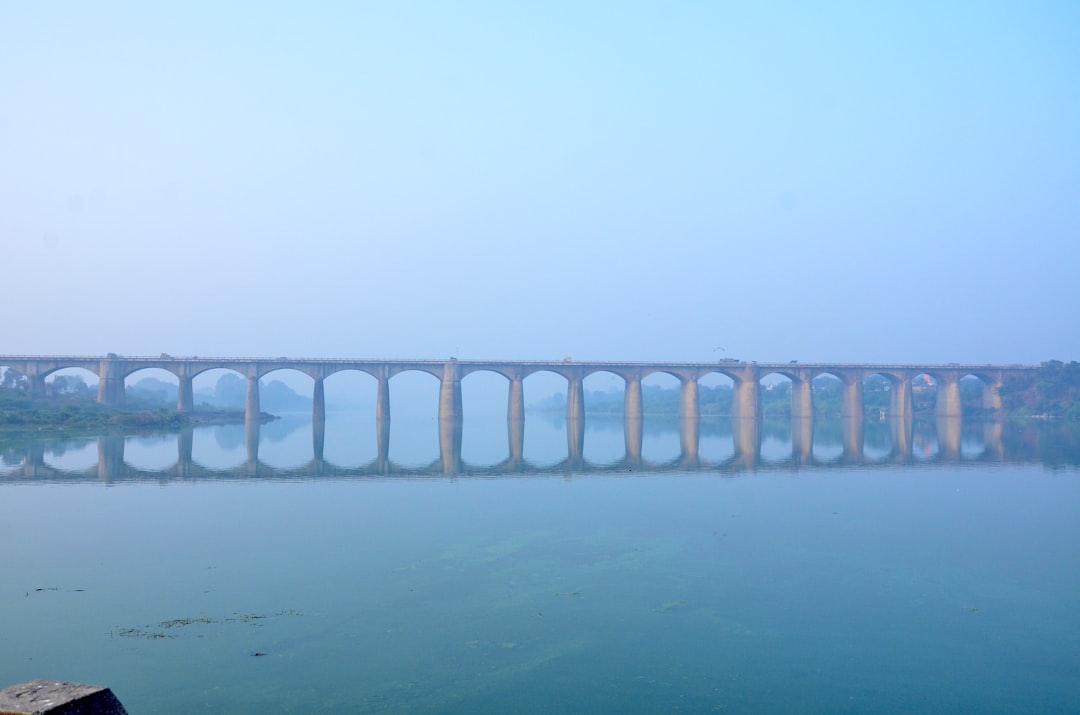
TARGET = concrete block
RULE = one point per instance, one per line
(51, 697)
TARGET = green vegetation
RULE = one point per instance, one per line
(1051, 391)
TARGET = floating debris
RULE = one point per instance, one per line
(158, 631)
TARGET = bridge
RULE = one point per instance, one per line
(112, 370)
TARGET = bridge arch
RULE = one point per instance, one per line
(151, 388)
(150, 453)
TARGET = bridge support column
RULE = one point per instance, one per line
(948, 434)
(515, 408)
(851, 435)
(185, 399)
(689, 439)
(993, 444)
(633, 419)
(900, 434)
(746, 435)
(632, 404)
(948, 396)
(450, 393)
(851, 396)
(991, 395)
(802, 399)
(110, 457)
(900, 400)
(110, 384)
(746, 398)
(184, 445)
(802, 439)
(252, 410)
(688, 399)
(575, 418)
(251, 443)
(382, 399)
(450, 445)
(35, 382)
(35, 460)
(515, 435)
(382, 445)
(318, 403)
(318, 441)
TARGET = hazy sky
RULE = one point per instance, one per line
(676, 181)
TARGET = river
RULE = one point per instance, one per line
(302, 569)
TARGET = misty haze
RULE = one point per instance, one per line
(520, 358)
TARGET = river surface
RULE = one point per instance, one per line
(258, 576)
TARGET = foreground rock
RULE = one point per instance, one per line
(51, 697)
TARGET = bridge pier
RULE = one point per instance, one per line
(35, 382)
(991, 395)
(185, 399)
(575, 417)
(632, 404)
(746, 436)
(251, 444)
(993, 444)
(110, 457)
(688, 399)
(318, 402)
(111, 390)
(948, 433)
(948, 396)
(851, 436)
(851, 395)
(745, 398)
(382, 444)
(184, 446)
(802, 439)
(450, 393)
(689, 439)
(382, 398)
(900, 405)
(515, 435)
(515, 408)
(900, 435)
(802, 399)
(318, 440)
(252, 410)
(450, 445)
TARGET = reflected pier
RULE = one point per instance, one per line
(937, 441)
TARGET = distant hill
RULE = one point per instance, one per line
(230, 392)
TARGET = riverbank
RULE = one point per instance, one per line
(21, 413)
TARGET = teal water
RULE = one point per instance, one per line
(920, 587)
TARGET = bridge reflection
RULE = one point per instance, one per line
(824, 444)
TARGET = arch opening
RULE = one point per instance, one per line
(151, 453)
(484, 399)
(351, 433)
(605, 436)
(288, 392)
(219, 447)
(414, 416)
(151, 388)
(924, 393)
(219, 388)
(72, 455)
(545, 441)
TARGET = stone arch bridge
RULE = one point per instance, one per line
(746, 377)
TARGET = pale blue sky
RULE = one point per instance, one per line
(841, 181)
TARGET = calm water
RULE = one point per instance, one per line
(941, 579)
